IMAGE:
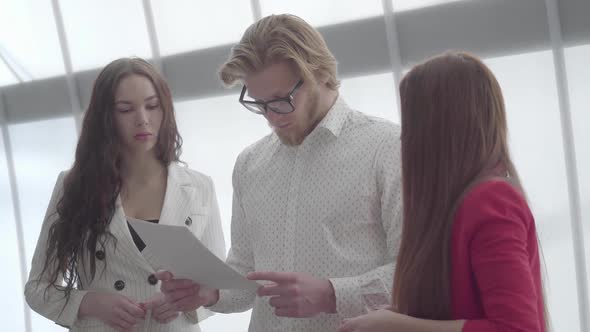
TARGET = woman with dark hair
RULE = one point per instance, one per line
(91, 271)
(469, 256)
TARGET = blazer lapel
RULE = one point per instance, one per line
(177, 207)
(178, 199)
(125, 244)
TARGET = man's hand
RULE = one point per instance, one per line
(185, 295)
(294, 294)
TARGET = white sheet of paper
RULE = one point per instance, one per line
(178, 250)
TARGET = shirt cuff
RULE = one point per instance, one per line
(358, 295)
(70, 313)
(348, 298)
(202, 314)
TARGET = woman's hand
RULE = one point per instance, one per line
(185, 295)
(115, 310)
(163, 311)
(384, 320)
(375, 321)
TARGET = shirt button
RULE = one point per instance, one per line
(188, 221)
(100, 255)
(119, 285)
(152, 279)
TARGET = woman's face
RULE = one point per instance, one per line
(137, 114)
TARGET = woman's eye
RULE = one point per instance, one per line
(153, 106)
(123, 110)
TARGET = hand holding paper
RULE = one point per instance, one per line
(182, 294)
(177, 250)
(163, 310)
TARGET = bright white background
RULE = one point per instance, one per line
(215, 129)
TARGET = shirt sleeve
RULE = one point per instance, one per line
(42, 297)
(240, 256)
(501, 262)
(356, 294)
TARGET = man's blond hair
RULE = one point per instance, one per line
(278, 38)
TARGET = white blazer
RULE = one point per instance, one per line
(189, 200)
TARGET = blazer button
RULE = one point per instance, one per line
(152, 279)
(100, 255)
(188, 221)
(119, 285)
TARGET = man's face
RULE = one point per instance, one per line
(276, 81)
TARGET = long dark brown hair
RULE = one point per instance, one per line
(454, 134)
(91, 187)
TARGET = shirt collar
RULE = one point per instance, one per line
(336, 117)
(333, 121)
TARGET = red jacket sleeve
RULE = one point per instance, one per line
(503, 255)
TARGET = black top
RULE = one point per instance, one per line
(138, 241)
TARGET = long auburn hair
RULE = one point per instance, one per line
(92, 185)
(454, 134)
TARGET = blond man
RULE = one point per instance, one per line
(317, 204)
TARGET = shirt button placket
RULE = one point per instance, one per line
(292, 216)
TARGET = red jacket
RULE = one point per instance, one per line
(495, 271)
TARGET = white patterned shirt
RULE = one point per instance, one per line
(330, 207)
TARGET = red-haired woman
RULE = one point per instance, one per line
(469, 256)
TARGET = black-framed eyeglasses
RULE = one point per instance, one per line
(281, 105)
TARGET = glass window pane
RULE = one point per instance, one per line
(41, 150)
(214, 131)
(401, 5)
(6, 77)
(325, 12)
(186, 25)
(373, 94)
(101, 31)
(12, 302)
(578, 72)
(529, 87)
(28, 32)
